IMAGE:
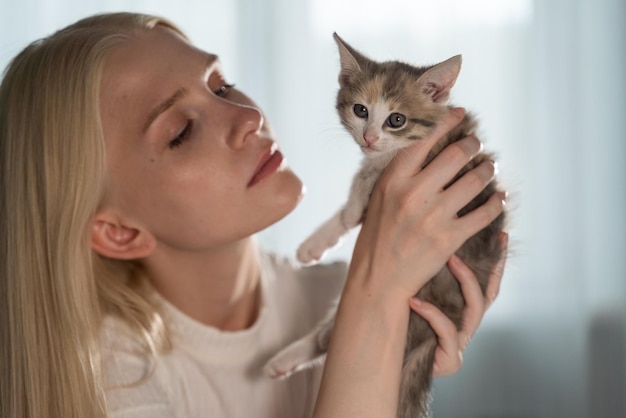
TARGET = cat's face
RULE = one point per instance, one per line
(387, 106)
(381, 123)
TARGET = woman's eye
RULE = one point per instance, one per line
(182, 136)
(223, 89)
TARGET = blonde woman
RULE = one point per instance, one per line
(133, 179)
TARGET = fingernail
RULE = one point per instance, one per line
(415, 301)
(504, 240)
(455, 260)
(458, 111)
(496, 167)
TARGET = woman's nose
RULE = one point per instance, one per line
(245, 123)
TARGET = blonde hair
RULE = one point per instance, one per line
(53, 289)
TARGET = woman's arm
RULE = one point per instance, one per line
(410, 232)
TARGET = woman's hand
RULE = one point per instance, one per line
(411, 230)
(412, 227)
(452, 343)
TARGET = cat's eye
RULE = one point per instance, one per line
(396, 120)
(360, 111)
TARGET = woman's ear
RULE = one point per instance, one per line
(112, 238)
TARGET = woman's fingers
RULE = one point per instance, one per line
(466, 188)
(410, 160)
(447, 164)
(493, 288)
(452, 343)
(448, 354)
(475, 305)
(482, 216)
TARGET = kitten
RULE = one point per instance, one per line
(387, 106)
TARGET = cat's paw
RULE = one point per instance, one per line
(310, 252)
(278, 371)
(282, 367)
(301, 355)
(327, 236)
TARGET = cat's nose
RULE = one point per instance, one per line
(370, 138)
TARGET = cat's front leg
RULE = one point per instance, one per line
(329, 234)
(302, 355)
(306, 353)
(325, 237)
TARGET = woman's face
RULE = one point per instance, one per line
(190, 159)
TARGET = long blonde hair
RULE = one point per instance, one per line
(53, 289)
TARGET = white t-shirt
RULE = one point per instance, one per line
(211, 373)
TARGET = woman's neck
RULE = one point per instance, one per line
(220, 288)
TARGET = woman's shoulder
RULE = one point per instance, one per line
(133, 384)
(313, 287)
(287, 268)
(125, 353)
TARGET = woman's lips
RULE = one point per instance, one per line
(269, 164)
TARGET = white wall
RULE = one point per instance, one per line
(547, 80)
(212, 24)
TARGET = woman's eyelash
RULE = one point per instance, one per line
(223, 89)
(182, 136)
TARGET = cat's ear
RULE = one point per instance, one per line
(351, 61)
(437, 81)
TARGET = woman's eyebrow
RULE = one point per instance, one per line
(166, 104)
(179, 94)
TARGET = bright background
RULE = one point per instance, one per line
(547, 79)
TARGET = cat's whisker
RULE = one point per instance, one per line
(334, 137)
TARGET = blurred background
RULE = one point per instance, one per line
(547, 79)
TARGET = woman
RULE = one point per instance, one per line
(134, 178)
